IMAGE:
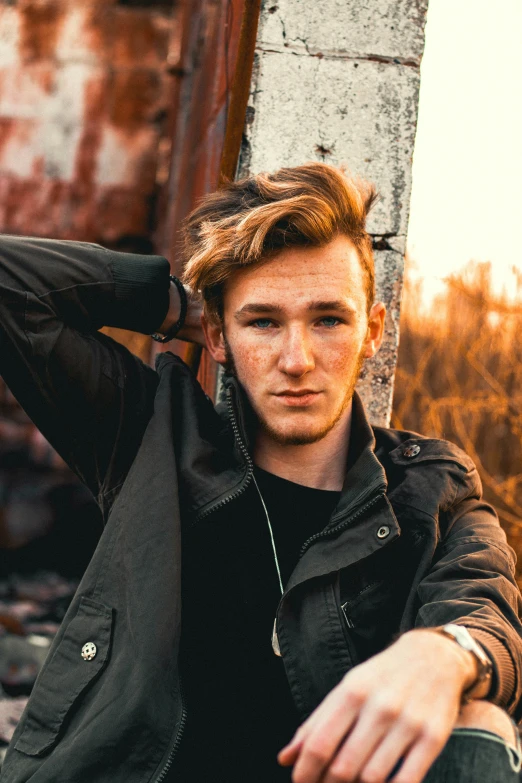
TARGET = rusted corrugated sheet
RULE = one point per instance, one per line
(204, 60)
(83, 99)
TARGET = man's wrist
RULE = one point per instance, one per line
(470, 666)
(478, 679)
(173, 311)
(466, 666)
(191, 330)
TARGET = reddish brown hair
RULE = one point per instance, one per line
(249, 221)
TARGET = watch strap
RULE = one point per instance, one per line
(183, 302)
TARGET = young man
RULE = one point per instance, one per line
(271, 566)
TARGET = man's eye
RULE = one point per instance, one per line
(262, 323)
(329, 320)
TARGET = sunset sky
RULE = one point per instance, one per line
(467, 172)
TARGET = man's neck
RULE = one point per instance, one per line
(321, 465)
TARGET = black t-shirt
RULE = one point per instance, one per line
(239, 709)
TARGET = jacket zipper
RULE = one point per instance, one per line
(246, 455)
(349, 622)
(342, 525)
(170, 759)
(352, 602)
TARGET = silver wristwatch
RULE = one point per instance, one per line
(462, 636)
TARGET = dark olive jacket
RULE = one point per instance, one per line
(410, 543)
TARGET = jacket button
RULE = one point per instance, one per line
(411, 451)
(383, 531)
(89, 651)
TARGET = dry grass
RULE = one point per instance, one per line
(460, 377)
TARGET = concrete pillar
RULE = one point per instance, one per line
(338, 81)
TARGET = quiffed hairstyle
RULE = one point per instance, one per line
(249, 221)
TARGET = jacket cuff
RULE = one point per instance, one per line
(504, 677)
(141, 292)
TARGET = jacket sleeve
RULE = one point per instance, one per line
(90, 397)
(472, 582)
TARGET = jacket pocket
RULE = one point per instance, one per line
(80, 657)
(367, 606)
(371, 619)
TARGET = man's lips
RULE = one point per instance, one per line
(296, 398)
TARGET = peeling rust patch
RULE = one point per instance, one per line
(135, 97)
(40, 26)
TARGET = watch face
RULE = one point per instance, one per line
(462, 635)
(457, 631)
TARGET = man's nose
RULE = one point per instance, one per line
(296, 357)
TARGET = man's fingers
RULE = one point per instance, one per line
(333, 700)
(392, 746)
(373, 724)
(420, 757)
(289, 753)
(324, 737)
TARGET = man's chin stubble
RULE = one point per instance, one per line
(295, 439)
(305, 437)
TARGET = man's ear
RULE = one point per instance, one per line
(375, 333)
(213, 331)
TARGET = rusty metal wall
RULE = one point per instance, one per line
(204, 63)
(84, 95)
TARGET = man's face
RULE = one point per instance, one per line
(296, 331)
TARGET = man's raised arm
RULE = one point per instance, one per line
(90, 397)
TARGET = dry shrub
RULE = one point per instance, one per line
(459, 377)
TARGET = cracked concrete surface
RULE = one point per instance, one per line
(387, 28)
(338, 82)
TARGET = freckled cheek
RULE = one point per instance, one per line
(251, 359)
(339, 361)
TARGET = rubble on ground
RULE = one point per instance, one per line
(31, 610)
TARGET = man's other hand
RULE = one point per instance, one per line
(402, 703)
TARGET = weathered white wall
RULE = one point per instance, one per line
(338, 81)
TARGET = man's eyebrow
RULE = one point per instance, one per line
(254, 308)
(334, 304)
